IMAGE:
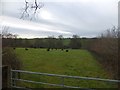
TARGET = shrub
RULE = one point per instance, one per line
(10, 58)
(107, 48)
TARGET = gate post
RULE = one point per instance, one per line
(6, 77)
(0, 77)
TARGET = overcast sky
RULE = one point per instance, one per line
(87, 18)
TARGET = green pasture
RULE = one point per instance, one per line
(74, 63)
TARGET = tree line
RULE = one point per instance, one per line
(50, 42)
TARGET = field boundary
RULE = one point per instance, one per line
(62, 77)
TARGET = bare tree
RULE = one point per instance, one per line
(6, 34)
(30, 9)
(75, 42)
(60, 37)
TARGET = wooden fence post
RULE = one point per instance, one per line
(0, 77)
(5, 77)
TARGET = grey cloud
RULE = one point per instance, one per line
(85, 19)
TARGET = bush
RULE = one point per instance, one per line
(107, 48)
(10, 58)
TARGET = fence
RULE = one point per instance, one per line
(14, 79)
(5, 77)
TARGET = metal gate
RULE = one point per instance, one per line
(62, 77)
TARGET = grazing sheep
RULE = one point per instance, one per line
(48, 49)
(66, 50)
(62, 49)
(26, 48)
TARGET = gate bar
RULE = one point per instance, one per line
(66, 76)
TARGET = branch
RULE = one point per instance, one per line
(34, 6)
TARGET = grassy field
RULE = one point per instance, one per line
(74, 63)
